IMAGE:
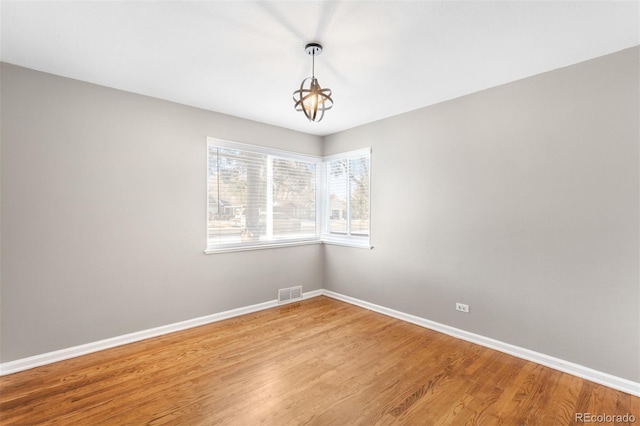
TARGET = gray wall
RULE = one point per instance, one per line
(103, 215)
(521, 201)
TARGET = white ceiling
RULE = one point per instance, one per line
(244, 58)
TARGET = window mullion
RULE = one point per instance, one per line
(348, 177)
(269, 212)
(321, 199)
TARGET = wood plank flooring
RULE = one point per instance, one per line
(316, 362)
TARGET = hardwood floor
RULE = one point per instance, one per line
(319, 361)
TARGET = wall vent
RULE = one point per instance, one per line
(289, 294)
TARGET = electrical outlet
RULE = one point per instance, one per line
(462, 308)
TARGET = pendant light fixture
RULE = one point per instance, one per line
(312, 99)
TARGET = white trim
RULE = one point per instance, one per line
(348, 243)
(348, 155)
(75, 351)
(568, 367)
(221, 143)
(269, 245)
(332, 242)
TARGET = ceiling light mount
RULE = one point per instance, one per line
(313, 49)
(311, 99)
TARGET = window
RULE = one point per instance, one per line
(347, 183)
(259, 196)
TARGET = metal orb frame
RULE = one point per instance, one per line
(312, 99)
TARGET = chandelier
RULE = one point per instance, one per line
(312, 99)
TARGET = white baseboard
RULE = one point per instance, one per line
(581, 371)
(62, 354)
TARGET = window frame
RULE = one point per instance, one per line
(323, 208)
(274, 243)
(343, 239)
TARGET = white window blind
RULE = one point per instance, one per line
(347, 199)
(258, 196)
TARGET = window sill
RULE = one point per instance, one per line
(348, 243)
(261, 246)
(354, 244)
